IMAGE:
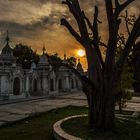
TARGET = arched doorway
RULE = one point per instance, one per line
(76, 82)
(60, 84)
(35, 85)
(51, 85)
(16, 86)
(72, 84)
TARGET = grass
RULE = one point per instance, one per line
(38, 127)
(125, 130)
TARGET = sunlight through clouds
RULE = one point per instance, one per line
(35, 21)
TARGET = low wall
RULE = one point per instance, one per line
(60, 134)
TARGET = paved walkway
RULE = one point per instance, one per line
(20, 110)
(134, 104)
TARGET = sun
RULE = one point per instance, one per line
(81, 53)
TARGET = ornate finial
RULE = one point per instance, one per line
(65, 56)
(79, 67)
(7, 37)
(79, 60)
(44, 49)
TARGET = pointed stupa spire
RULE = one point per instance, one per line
(6, 56)
(44, 49)
(65, 58)
(7, 49)
(7, 37)
(79, 61)
(43, 60)
(79, 67)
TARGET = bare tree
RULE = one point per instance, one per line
(103, 76)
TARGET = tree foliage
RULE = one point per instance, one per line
(25, 55)
(125, 86)
(72, 61)
(54, 58)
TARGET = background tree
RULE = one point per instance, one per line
(25, 55)
(72, 61)
(124, 86)
(127, 75)
(103, 76)
(54, 58)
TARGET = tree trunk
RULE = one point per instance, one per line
(109, 114)
(120, 106)
(101, 113)
(101, 103)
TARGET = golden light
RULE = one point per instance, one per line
(81, 53)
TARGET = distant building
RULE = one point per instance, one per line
(40, 79)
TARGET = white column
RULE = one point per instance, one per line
(74, 83)
(4, 85)
(54, 84)
(45, 84)
(27, 84)
(67, 83)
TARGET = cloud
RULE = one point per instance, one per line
(28, 11)
(36, 21)
(28, 18)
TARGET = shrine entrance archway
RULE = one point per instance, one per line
(16, 86)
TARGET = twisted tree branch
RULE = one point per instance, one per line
(65, 23)
(88, 21)
(121, 7)
(74, 8)
(126, 22)
(135, 33)
(102, 44)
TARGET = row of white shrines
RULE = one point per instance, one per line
(40, 79)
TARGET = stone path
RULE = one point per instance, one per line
(133, 105)
(20, 110)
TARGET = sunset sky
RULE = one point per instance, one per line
(33, 22)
